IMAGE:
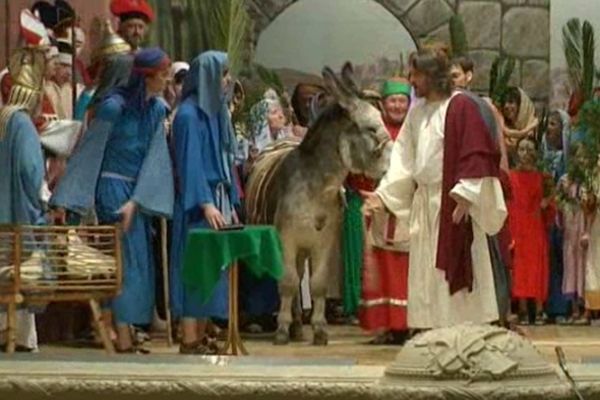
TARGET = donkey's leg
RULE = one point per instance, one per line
(288, 287)
(296, 328)
(318, 288)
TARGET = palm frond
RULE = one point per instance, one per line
(500, 74)
(543, 125)
(494, 76)
(588, 54)
(401, 70)
(573, 48)
(458, 36)
(203, 25)
(239, 29)
(270, 78)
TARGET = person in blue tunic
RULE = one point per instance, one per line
(122, 168)
(203, 147)
(555, 148)
(22, 163)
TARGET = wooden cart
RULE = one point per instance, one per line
(42, 264)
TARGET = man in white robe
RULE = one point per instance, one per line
(445, 159)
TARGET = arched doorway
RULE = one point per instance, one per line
(310, 34)
(493, 28)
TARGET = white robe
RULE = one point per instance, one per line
(592, 263)
(412, 190)
(26, 334)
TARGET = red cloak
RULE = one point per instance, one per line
(470, 152)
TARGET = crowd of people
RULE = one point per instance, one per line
(481, 217)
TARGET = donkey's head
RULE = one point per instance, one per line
(364, 143)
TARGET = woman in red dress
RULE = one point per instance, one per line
(385, 269)
(529, 209)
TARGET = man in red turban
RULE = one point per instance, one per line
(135, 15)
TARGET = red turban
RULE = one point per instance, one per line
(127, 9)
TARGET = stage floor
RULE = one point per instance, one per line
(348, 346)
(347, 368)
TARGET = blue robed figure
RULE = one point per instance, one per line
(203, 147)
(21, 165)
(122, 168)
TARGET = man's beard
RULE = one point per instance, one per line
(136, 41)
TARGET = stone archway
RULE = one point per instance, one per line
(520, 28)
(421, 18)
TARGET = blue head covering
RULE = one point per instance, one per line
(557, 158)
(145, 62)
(204, 81)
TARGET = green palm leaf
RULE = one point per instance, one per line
(579, 47)
(500, 74)
(458, 36)
(203, 25)
(270, 78)
(572, 47)
(589, 49)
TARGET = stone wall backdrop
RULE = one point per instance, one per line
(519, 28)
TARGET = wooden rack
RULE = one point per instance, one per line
(42, 264)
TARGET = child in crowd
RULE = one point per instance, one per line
(529, 209)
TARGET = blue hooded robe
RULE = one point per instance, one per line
(203, 147)
(21, 172)
(124, 156)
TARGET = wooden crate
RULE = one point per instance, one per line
(41, 264)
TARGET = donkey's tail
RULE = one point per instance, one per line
(261, 180)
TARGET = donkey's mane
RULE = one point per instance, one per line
(331, 114)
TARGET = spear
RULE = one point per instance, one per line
(73, 68)
(7, 32)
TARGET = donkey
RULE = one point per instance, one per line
(297, 188)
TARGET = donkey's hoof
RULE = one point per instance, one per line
(320, 338)
(296, 332)
(282, 338)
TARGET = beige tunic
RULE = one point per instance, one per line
(412, 191)
(61, 98)
(592, 262)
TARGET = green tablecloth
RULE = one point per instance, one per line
(209, 251)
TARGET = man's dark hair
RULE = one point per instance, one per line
(556, 115)
(302, 119)
(465, 63)
(180, 76)
(513, 95)
(433, 61)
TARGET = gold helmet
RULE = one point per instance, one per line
(26, 67)
(110, 44)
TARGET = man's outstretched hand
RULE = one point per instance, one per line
(372, 203)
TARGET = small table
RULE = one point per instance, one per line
(208, 251)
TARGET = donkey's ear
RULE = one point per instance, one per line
(348, 78)
(343, 95)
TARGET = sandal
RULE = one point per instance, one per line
(523, 320)
(195, 348)
(580, 321)
(133, 350)
(381, 339)
(211, 344)
(541, 319)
